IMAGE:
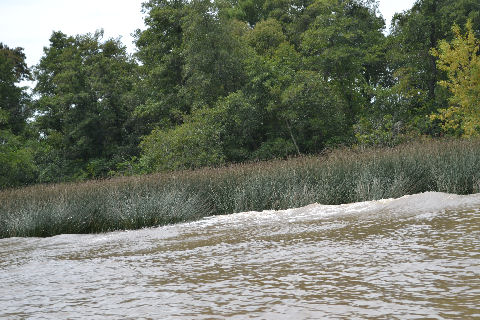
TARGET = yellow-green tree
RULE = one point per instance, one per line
(460, 59)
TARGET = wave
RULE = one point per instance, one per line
(428, 202)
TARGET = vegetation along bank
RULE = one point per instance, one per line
(341, 176)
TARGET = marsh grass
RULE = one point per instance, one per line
(340, 176)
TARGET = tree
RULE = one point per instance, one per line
(460, 59)
(312, 111)
(266, 37)
(214, 54)
(271, 68)
(193, 144)
(243, 126)
(251, 11)
(13, 99)
(344, 43)
(192, 53)
(16, 162)
(85, 87)
(161, 64)
(414, 32)
(17, 166)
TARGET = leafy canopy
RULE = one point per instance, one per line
(460, 59)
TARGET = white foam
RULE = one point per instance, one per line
(418, 204)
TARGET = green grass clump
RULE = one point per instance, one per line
(341, 176)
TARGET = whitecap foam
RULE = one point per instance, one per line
(417, 204)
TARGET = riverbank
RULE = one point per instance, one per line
(341, 176)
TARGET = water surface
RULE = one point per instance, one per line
(413, 257)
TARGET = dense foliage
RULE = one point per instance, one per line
(224, 81)
(460, 59)
(16, 161)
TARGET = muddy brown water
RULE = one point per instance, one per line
(413, 257)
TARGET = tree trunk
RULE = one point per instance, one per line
(291, 135)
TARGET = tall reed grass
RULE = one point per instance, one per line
(341, 176)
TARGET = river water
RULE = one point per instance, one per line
(413, 257)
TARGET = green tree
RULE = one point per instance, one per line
(345, 44)
(13, 99)
(193, 144)
(312, 111)
(17, 165)
(85, 105)
(251, 11)
(271, 69)
(266, 37)
(16, 162)
(214, 54)
(243, 123)
(299, 110)
(161, 64)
